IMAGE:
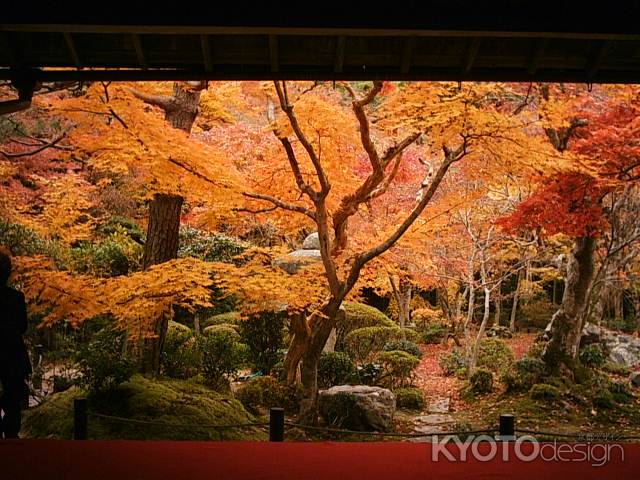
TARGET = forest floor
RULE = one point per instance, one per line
(561, 416)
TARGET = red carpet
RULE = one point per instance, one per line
(120, 460)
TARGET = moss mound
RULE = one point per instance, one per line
(141, 398)
(359, 315)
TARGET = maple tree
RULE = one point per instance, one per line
(599, 132)
(456, 122)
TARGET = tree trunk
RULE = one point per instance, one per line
(404, 303)
(561, 351)
(162, 232)
(161, 246)
(312, 341)
(516, 297)
(182, 112)
(473, 358)
(498, 303)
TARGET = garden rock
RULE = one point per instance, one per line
(358, 407)
(635, 379)
(312, 242)
(292, 262)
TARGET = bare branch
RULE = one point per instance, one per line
(363, 258)
(163, 101)
(282, 204)
(37, 150)
(325, 186)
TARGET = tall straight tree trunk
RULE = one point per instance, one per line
(561, 351)
(473, 360)
(498, 303)
(516, 298)
(161, 246)
(404, 305)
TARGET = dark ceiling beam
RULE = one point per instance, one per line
(311, 72)
(274, 60)
(330, 31)
(534, 62)
(73, 52)
(407, 54)
(595, 62)
(338, 62)
(137, 45)
(205, 46)
(472, 53)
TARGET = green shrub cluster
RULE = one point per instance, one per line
(359, 315)
(397, 367)
(410, 398)
(222, 356)
(103, 361)
(210, 247)
(335, 368)
(180, 355)
(264, 334)
(544, 391)
(404, 345)
(523, 374)
(267, 392)
(481, 381)
(452, 362)
(363, 342)
(592, 355)
(433, 333)
(494, 354)
(227, 328)
(221, 318)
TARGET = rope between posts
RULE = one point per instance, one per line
(391, 434)
(171, 424)
(596, 436)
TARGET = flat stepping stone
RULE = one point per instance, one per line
(440, 405)
(433, 419)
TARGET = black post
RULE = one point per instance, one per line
(276, 424)
(80, 419)
(507, 427)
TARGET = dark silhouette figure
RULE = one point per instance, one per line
(15, 366)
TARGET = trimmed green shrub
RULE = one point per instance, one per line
(222, 318)
(264, 334)
(481, 381)
(228, 328)
(335, 368)
(369, 373)
(523, 374)
(359, 315)
(404, 345)
(222, 356)
(397, 367)
(494, 354)
(210, 247)
(410, 398)
(363, 342)
(592, 355)
(433, 333)
(267, 392)
(180, 356)
(103, 363)
(452, 361)
(543, 391)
